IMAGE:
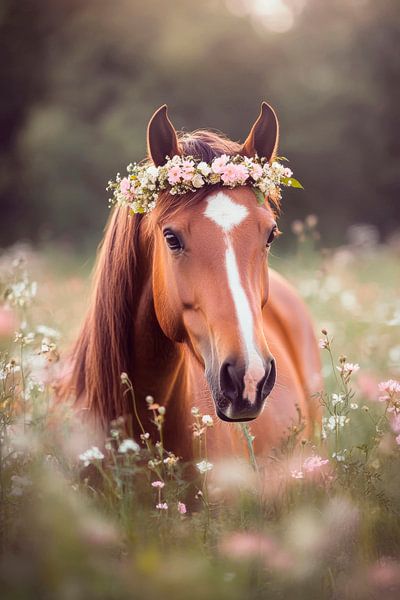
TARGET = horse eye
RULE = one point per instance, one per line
(272, 236)
(173, 241)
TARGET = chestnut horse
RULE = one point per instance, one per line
(185, 304)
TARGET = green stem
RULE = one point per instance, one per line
(249, 440)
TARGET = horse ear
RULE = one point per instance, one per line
(264, 135)
(162, 140)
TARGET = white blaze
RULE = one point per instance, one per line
(227, 215)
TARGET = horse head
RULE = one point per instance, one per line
(210, 267)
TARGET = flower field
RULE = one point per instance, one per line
(316, 518)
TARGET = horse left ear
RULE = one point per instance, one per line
(264, 135)
(162, 140)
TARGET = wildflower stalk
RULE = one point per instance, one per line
(250, 445)
(125, 379)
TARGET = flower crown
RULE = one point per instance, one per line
(139, 190)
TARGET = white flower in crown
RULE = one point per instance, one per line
(139, 190)
(204, 168)
(197, 181)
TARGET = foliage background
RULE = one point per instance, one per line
(80, 79)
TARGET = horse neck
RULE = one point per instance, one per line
(160, 370)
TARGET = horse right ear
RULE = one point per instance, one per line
(264, 135)
(162, 140)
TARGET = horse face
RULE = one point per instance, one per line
(210, 282)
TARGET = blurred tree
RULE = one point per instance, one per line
(82, 78)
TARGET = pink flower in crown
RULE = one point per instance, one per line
(125, 186)
(234, 174)
(218, 164)
(174, 174)
(242, 173)
(228, 174)
(256, 171)
(187, 169)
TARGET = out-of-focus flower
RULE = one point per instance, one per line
(337, 399)
(250, 546)
(182, 508)
(91, 455)
(207, 420)
(391, 386)
(348, 368)
(128, 445)
(353, 405)
(19, 485)
(340, 456)
(195, 411)
(204, 466)
(162, 506)
(158, 484)
(314, 463)
(171, 460)
(395, 423)
(296, 474)
(333, 421)
(21, 293)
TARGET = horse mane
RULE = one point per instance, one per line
(104, 348)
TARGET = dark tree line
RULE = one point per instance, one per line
(80, 78)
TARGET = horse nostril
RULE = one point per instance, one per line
(231, 380)
(269, 379)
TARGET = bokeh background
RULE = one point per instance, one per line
(79, 80)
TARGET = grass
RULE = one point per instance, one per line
(316, 519)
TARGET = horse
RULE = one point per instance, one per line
(185, 305)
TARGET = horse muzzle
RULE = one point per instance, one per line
(232, 399)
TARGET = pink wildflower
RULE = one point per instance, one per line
(395, 423)
(243, 545)
(174, 174)
(297, 474)
(218, 164)
(398, 439)
(313, 463)
(181, 508)
(158, 484)
(390, 387)
(162, 506)
(350, 367)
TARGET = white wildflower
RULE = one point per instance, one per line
(128, 445)
(91, 455)
(204, 466)
(207, 420)
(337, 399)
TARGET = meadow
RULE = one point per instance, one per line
(317, 518)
